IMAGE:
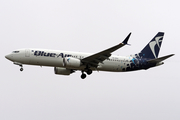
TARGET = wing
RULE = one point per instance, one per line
(95, 59)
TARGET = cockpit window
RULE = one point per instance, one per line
(15, 51)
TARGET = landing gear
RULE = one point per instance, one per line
(21, 69)
(20, 64)
(83, 76)
(89, 71)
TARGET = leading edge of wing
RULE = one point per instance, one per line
(101, 56)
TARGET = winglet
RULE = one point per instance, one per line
(126, 39)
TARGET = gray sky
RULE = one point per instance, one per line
(89, 26)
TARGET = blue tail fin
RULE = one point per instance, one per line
(151, 51)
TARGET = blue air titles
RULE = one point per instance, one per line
(46, 54)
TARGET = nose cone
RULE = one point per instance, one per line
(9, 57)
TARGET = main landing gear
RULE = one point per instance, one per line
(83, 76)
(89, 71)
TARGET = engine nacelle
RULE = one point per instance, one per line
(71, 62)
(62, 71)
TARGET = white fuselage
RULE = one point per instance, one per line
(66, 62)
(54, 58)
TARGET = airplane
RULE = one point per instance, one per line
(66, 62)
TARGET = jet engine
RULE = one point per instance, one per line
(71, 62)
(62, 71)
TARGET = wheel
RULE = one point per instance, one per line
(21, 69)
(89, 72)
(83, 76)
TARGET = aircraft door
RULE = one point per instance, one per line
(27, 53)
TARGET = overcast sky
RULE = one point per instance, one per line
(89, 26)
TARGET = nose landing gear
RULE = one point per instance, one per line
(21, 69)
(20, 64)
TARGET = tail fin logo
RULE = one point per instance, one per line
(154, 43)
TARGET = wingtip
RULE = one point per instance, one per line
(171, 55)
(161, 32)
(126, 39)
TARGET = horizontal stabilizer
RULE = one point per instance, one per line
(157, 60)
